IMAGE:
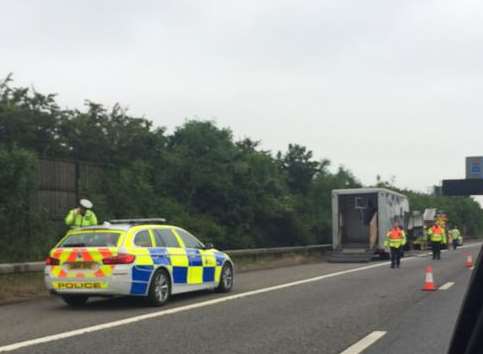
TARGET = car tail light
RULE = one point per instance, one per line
(121, 258)
(51, 261)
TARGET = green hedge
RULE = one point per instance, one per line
(26, 231)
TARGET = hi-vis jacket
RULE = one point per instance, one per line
(455, 234)
(395, 238)
(437, 234)
(74, 219)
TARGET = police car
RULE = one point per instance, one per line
(139, 257)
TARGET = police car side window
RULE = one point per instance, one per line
(189, 240)
(165, 238)
(142, 239)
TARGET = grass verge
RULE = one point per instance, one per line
(21, 287)
(250, 263)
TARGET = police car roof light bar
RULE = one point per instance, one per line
(138, 221)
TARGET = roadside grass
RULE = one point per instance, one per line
(251, 263)
(21, 287)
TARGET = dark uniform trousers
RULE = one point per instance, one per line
(395, 257)
(455, 244)
(436, 248)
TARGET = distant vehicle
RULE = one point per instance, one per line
(139, 257)
(416, 230)
(361, 218)
(429, 216)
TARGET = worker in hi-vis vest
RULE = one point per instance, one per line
(81, 216)
(437, 236)
(395, 241)
(456, 236)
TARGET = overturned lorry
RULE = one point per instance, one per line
(361, 218)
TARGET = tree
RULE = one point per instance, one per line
(30, 120)
(300, 168)
(110, 136)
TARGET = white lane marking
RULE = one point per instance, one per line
(364, 343)
(446, 286)
(130, 320)
(161, 313)
(470, 245)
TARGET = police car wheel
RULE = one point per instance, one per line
(226, 279)
(75, 300)
(160, 288)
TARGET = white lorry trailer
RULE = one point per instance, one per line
(361, 218)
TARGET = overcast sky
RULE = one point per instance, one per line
(379, 86)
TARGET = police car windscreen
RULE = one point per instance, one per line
(92, 239)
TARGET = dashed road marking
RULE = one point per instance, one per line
(446, 286)
(157, 314)
(364, 343)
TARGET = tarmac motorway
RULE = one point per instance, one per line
(316, 308)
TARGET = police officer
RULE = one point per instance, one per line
(456, 236)
(395, 240)
(437, 236)
(81, 216)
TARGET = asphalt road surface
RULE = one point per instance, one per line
(317, 308)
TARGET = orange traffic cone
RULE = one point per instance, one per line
(469, 261)
(429, 281)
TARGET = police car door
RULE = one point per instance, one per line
(201, 270)
(171, 249)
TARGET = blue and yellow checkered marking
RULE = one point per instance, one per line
(208, 274)
(139, 288)
(180, 275)
(194, 257)
(160, 256)
(187, 267)
(220, 258)
(140, 279)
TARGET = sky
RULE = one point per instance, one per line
(385, 87)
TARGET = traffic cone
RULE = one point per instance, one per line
(429, 281)
(469, 261)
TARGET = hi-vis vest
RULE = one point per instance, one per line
(455, 234)
(395, 238)
(77, 220)
(437, 234)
